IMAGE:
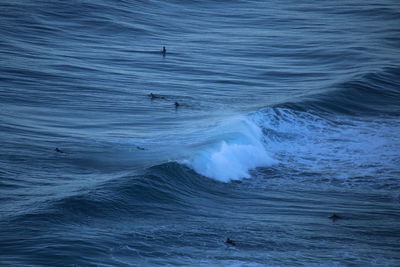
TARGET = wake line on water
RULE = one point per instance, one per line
(239, 150)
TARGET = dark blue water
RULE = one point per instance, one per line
(289, 112)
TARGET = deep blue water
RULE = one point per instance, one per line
(289, 112)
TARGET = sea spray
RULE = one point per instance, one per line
(239, 150)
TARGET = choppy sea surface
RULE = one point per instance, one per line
(289, 111)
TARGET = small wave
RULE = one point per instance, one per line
(372, 93)
(162, 188)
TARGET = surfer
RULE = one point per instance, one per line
(153, 96)
(334, 217)
(230, 242)
(164, 51)
(58, 150)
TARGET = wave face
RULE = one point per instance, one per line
(374, 93)
(288, 112)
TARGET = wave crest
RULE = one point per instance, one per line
(240, 150)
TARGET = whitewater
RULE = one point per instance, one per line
(288, 113)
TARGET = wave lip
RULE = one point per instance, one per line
(239, 150)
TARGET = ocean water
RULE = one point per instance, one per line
(289, 112)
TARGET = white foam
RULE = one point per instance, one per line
(238, 150)
(352, 151)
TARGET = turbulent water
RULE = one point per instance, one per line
(289, 111)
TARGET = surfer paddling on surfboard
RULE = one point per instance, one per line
(230, 242)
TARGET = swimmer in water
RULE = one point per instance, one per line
(230, 242)
(177, 104)
(164, 51)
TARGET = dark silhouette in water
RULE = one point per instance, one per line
(334, 217)
(177, 104)
(140, 148)
(153, 96)
(164, 51)
(230, 242)
(58, 150)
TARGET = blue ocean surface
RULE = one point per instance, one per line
(265, 119)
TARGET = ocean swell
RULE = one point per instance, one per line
(370, 94)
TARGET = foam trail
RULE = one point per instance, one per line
(238, 150)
